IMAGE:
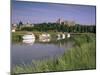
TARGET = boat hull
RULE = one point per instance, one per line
(25, 37)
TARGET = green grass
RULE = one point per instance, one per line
(82, 56)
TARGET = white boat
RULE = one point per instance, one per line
(29, 41)
(44, 36)
(68, 35)
(63, 36)
(13, 30)
(58, 36)
(28, 36)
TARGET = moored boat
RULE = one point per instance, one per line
(68, 35)
(29, 36)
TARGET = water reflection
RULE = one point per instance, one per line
(38, 49)
(28, 41)
(44, 40)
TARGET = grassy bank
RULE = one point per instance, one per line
(81, 56)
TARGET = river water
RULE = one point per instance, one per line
(25, 52)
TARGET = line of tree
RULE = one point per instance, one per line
(59, 28)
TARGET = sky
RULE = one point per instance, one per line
(36, 12)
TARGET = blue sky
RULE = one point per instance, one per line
(34, 12)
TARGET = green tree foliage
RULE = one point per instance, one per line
(59, 28)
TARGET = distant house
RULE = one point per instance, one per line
(14, 25)
(65, 22)
(69, 23)
(28, 25)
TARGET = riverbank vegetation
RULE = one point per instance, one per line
(81, 56)
(56, 27)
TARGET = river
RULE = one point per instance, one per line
(24, 53)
